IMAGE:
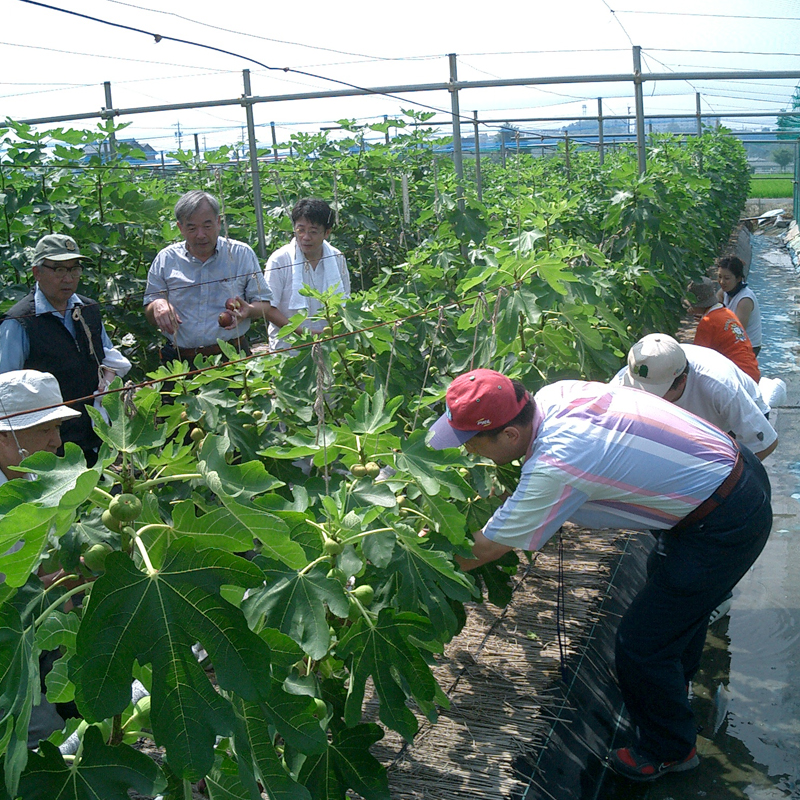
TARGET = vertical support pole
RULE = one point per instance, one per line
(566, 155)
(796, 187)
(274, 142)
(197, 146)
(256, 177)
(639, 97)
(600, 146)
(386, 133)
(112, 139)
(458, 156)
(699, 113)
(503, 147)
(478, 182)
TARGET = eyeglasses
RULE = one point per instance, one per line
(60, 272)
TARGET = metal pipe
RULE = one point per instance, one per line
(699, 114)
(256, 176)
(638, 93)
(274, 141)
(478, 184)
(458, 158)
(600, 147)
(112, 138)
(431, 87)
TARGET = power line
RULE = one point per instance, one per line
(700, 14)
(164, 37)
(243, 33)
(618, 21)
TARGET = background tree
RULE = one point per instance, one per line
(782, 157)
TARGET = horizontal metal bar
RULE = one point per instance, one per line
(354, 91)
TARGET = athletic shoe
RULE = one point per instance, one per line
(629, 762)
(720, 611)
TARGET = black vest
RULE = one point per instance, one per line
(53, 350)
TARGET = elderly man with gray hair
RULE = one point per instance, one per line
(206, 287)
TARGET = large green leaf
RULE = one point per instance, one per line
(254, 743)
(271, 531)
(421, 461)
(19, 684)
(347, 763)
(217, 528)
(426, 580)
(60, 482)
(130, 432)
(155, 619)
(101, 771)
(295, 605)
(372, 414)
(240, 480)
(387, 650)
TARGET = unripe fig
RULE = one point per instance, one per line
(332, 548)
(125, 507)
(141, 714)
(327, 330)
(373, 469)
(95, 557)
(337, 575)
(365, 594)
(111, 522)
(358, 470)
(225, 319)
(196, 434)
(320, 708)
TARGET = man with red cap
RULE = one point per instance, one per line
(612, 457)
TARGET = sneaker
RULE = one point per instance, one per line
(720, 611)
(632, 764)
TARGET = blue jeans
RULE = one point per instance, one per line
(661, 636)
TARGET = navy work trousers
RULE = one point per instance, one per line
(661, 636)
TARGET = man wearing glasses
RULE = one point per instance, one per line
(307, 262)
(206, 287)
(56, 330)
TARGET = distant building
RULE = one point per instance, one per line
(125, 146)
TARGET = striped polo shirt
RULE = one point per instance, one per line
(610, 457)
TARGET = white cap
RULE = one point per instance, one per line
(26, 390)
(653, 364)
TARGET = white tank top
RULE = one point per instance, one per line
(754, 323)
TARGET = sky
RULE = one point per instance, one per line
(55, 63)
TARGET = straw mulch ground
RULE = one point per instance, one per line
(502, 675)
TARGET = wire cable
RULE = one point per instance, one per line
(164, 37)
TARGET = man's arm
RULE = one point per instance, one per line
(113, 359)
(762, 454)
(745, 419)
(483, 551)
(163, 315)
(14, 346)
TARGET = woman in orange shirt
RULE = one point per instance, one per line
(720, 329)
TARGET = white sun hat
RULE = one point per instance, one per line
(29, 398)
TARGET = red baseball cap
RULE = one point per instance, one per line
(476, 401)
